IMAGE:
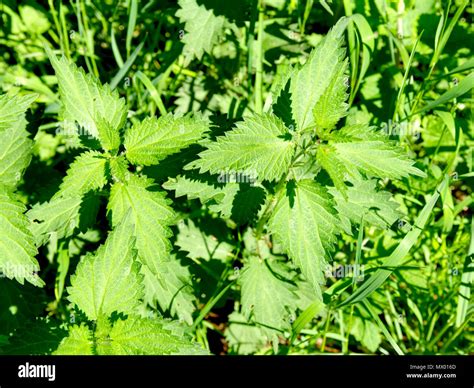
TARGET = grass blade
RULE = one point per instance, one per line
(396, 258)
(382, 327)
(305, 317)
(154, 94)
(132, 21)
(443, 39)
(365, 48)
(115, 49)
(360, 238)
(462, 88)
(405, 77)
(467, 279)
(126, 66)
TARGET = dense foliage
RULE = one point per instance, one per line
(251, 177)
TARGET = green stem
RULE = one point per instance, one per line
(54, 13)
(274, 198)
(326, 328)
(259, 70)
(211, 303)
(342, 331)
(348, 332)
(88, 38)
(65, 35)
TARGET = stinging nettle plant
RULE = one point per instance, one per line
(315, 180)
(128, 268)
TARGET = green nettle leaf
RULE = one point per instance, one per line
(258, 146)
(132, 336)
(172, 289)
(108, 135)
(62, 216)
(140, 336)
(280, 97)
(84, 99)
(15, 154)
(58, 216)
(276, 187)
(194, 189)
(203, 29)
(109, 281)
(332, 106)
(225, 205)
(119, 168)
(305, 223)
(151, 216)
(367, 332)
(268, 299)
(247, 204)
(17, 248)
(220, 199)
(317, 78)
(242, 337)
(153, 139)
(361, 148)
(12, 110)
(88, 172)
(363, 200)
(198, 245)
(328, 159)
(79, 342)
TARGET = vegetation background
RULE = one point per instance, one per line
(410, 75)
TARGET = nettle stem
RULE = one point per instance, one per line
(273, 200)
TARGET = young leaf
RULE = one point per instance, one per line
(328, 159)
(109, 281)
(279, 97)
(88, 172)
(314, 78)
(257, 146)
(332, 106)
(150, 215)
(153, 139)
(17, 248)
(119, 168)
(108, 135)
(84, 98)
(305, 223)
